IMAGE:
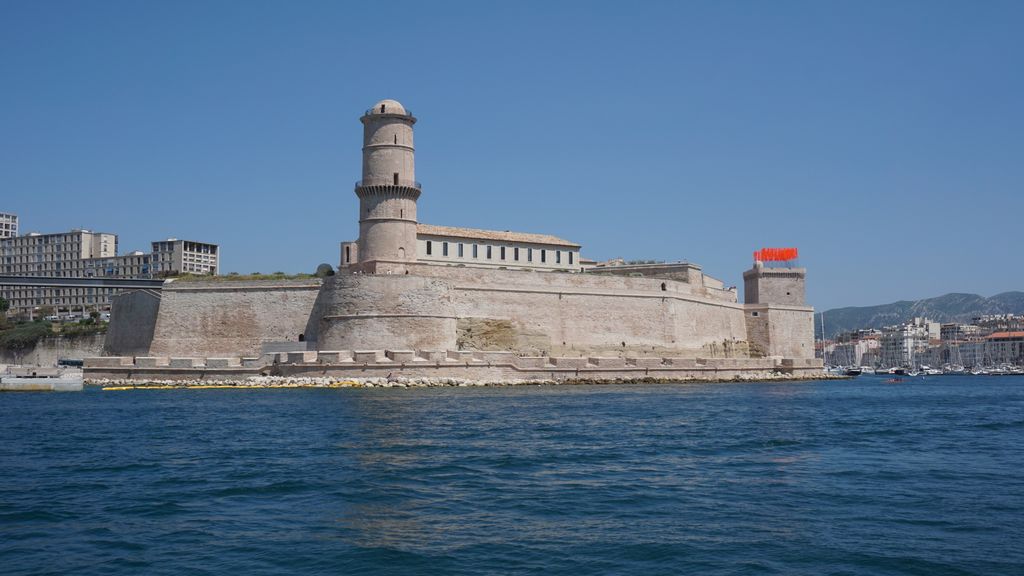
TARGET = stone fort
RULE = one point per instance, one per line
(408, 286)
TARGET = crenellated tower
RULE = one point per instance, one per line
(388, 190)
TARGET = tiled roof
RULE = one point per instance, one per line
(506, 236)
(995, 335)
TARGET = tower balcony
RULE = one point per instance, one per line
(402, 183)
(387, 112)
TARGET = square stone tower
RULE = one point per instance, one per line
(764, 285)
(779, 322)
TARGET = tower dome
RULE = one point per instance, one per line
(387, 107)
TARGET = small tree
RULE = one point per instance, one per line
(324, 270)
(45, 311)
(4, 306)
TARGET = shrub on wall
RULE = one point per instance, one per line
(24, 336)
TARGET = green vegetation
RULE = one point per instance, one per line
(324, 270)
(86, 327)
(25, 336)
(236, 277)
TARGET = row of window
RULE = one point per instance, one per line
(475, 249)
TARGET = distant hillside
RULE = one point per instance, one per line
(948, 308)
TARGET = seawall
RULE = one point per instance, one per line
(474, 366)
(49, 350)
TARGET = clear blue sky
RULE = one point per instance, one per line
(884, 139)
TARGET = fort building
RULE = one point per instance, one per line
(414, 289)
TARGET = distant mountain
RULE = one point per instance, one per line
(949, 308)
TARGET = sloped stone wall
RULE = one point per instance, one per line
(231, 318)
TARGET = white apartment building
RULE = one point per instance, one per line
(8, 225)
(55, 255)
(173, 256)
(907, 344)
(87, 254)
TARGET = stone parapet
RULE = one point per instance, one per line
(567, 362)
(645, 362)
(108, 362)
(400, 356)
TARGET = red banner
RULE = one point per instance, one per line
(776, 254)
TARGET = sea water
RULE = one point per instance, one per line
(831, 477)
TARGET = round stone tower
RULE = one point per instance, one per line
(389, 190)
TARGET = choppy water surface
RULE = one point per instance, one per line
(857, 477)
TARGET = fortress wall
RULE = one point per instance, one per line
(367, 311)
(48, 351)
(557, 313)
(785, 331)
(232, 317)
(792, 331)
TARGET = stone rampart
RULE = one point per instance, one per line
(531, 313)
(781, 331)
(376, 311)
(601, 315)
(231, 317)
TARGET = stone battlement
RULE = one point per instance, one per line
(474, 365)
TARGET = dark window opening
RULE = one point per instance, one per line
(401, 213)
(381, 108)
(543, 256)
(787, 293)
(430, 247)
(396, 178)
(515, 253)
(348, 254)
(475, 247)
(558, 256)
(460, 249)
(663, 287)
(755, 314)
(570, 257)
(488, 252)
(396, 138)
(444, 248)
(302, 337)
(502, 252)
(529, 254)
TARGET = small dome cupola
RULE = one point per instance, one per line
(387, 107)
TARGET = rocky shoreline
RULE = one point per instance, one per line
(403, 382)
